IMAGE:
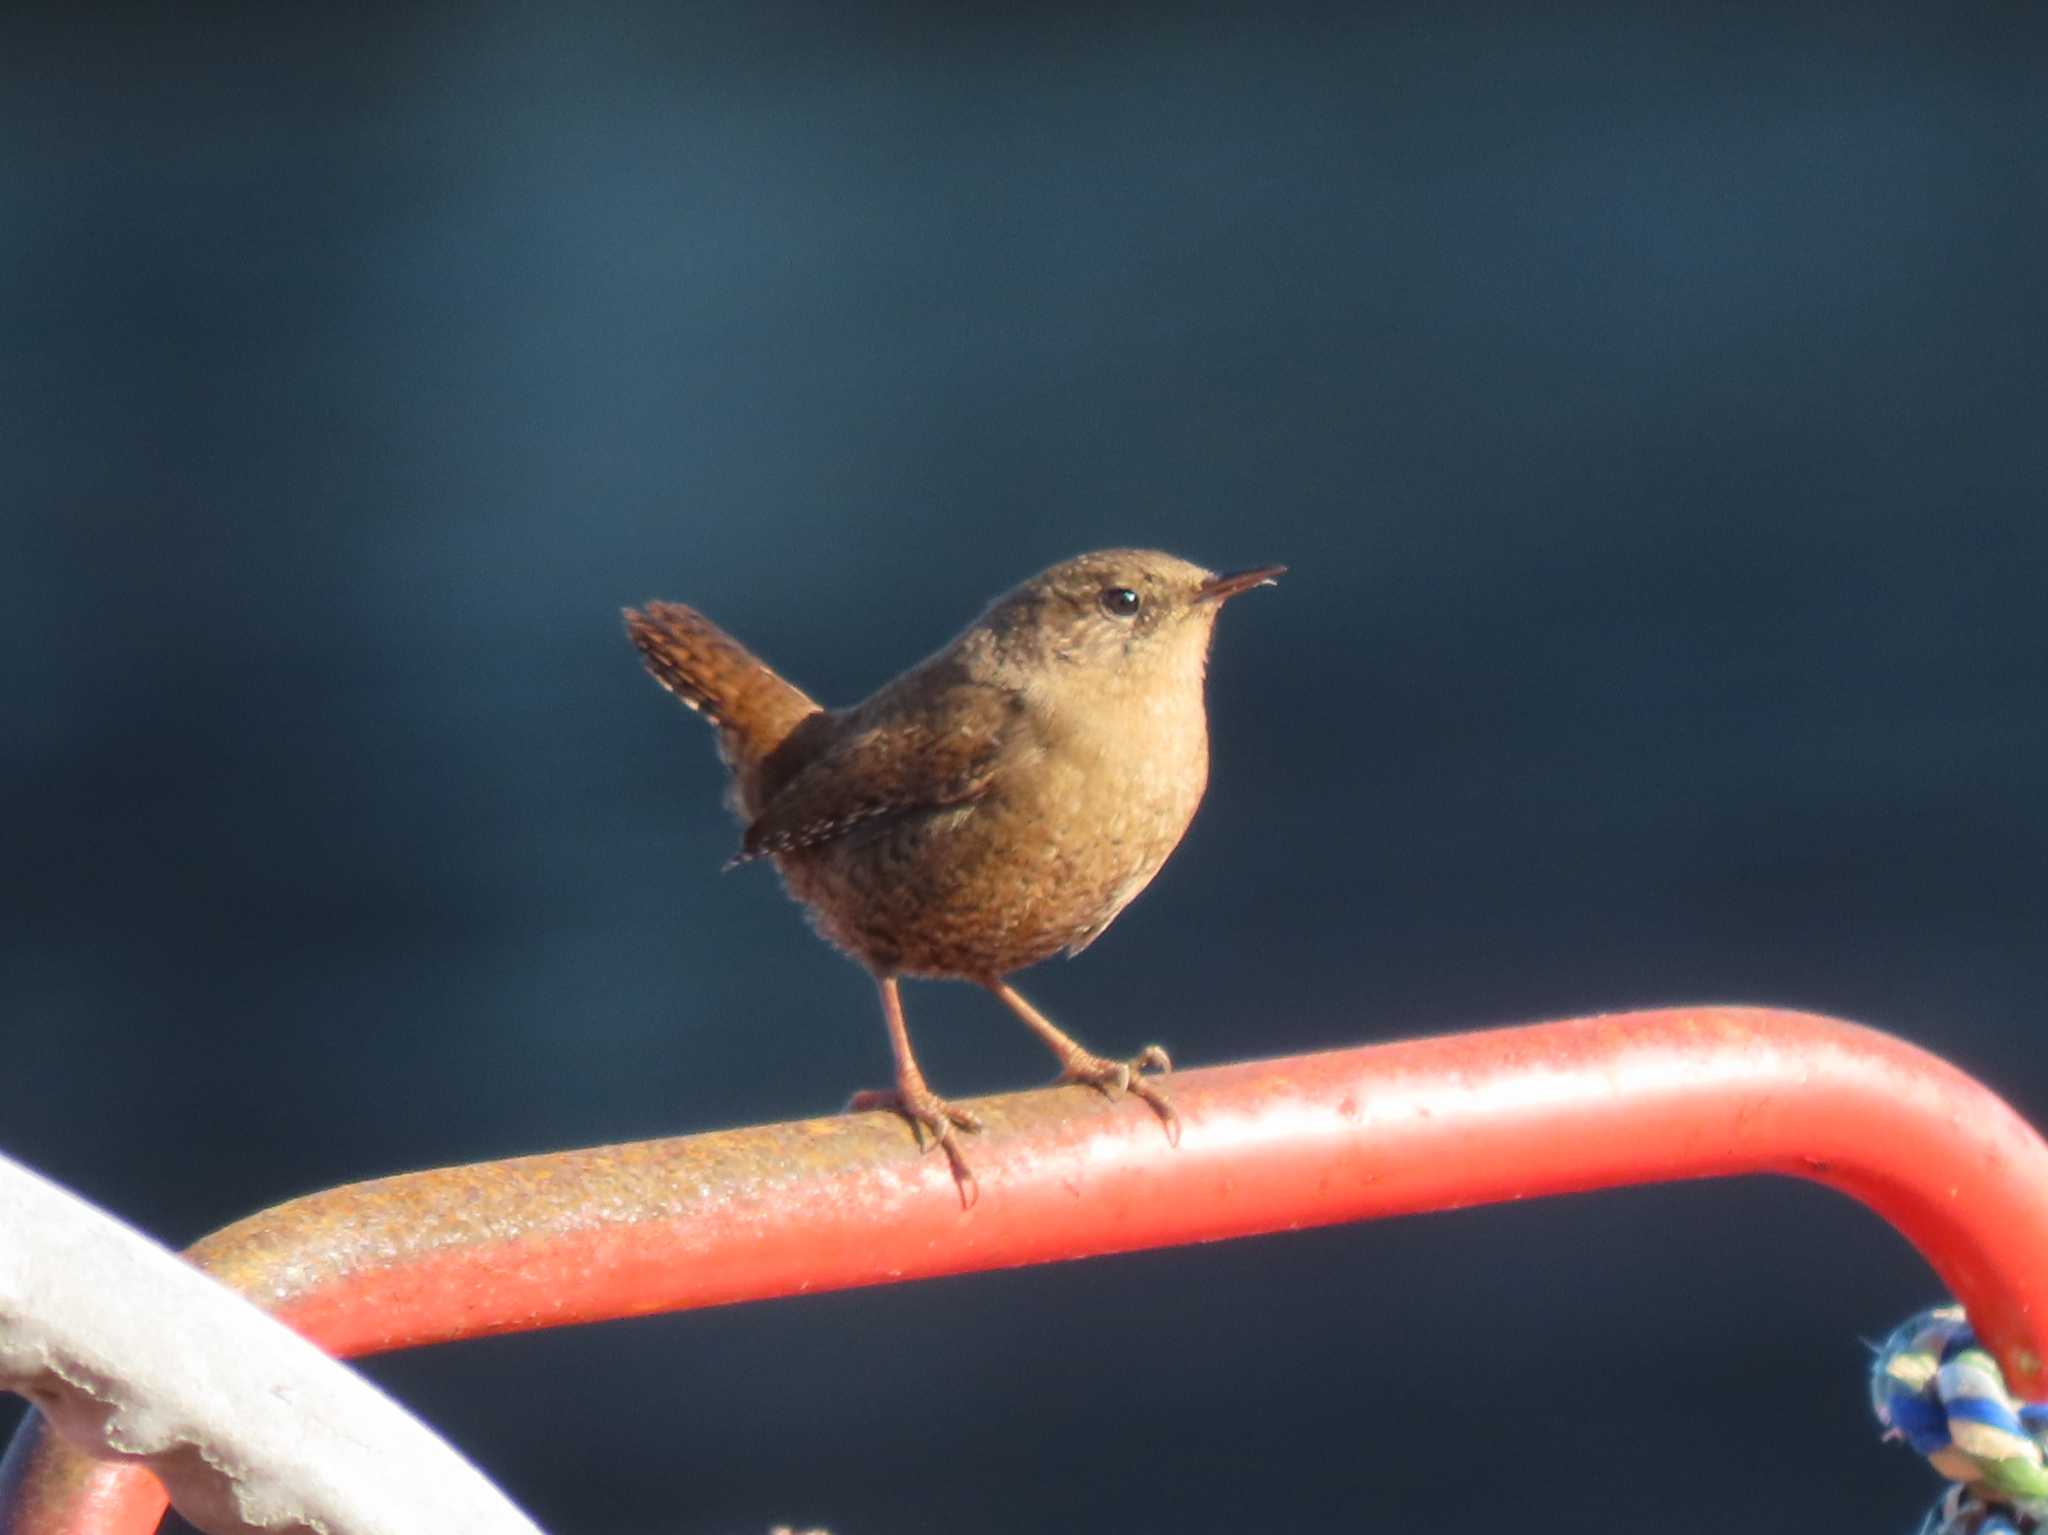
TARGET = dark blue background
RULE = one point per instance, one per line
(1649, 402)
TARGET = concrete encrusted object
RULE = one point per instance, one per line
(133, 1355)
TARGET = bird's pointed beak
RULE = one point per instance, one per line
(1219, 588)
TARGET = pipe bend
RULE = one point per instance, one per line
(1354, 1134)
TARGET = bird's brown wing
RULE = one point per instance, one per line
(895, 764)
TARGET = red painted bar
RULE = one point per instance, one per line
(1385, 1130)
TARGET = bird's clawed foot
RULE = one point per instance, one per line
(932, 1120)
(1115, 1078)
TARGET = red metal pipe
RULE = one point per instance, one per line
(1391, 1129)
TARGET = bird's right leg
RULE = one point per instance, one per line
(932, 1119)
(1079, 1064)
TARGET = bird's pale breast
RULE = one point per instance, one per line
(1072, 828)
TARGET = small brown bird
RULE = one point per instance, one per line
(997, 803)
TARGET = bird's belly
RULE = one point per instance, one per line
(981, 890)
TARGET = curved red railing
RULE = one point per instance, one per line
(1385, 1130)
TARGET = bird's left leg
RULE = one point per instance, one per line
(1112, 1078)
(929, 1114)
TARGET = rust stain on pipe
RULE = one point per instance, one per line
(1389, 1129)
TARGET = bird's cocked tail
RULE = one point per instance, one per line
(753, 709)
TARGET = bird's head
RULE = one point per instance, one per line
(1134, 615)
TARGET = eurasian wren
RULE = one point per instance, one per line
(997, 803)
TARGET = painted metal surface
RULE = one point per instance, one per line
(135, 1356)
(1358, 1134)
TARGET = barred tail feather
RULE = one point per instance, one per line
(753, 709)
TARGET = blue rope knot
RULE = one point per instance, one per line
(1934, 1386)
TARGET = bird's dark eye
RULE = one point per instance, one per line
(1119, 602)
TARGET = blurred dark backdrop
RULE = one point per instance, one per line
(1649, 402)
